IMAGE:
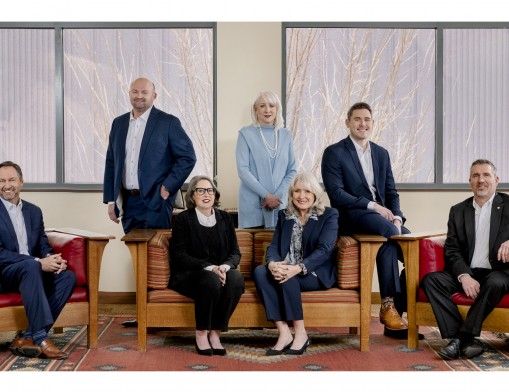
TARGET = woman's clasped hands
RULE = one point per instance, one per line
(282, 271)
(221, 272)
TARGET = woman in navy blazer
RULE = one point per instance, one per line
(204, 260)
(299, 258)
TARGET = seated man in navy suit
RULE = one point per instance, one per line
(29, 266)
(358, 178)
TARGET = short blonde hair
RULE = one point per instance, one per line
(309, 182)
(273, 99)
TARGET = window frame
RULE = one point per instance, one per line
(439, 27)
(58, 27)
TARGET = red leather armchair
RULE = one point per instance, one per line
(83, 250)
(424, 253)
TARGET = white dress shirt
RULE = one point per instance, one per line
(481, 258)
(132, 149)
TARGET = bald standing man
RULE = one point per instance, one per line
(148, 159)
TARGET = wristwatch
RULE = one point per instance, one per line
(304, 269)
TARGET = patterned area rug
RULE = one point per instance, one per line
(173, 350)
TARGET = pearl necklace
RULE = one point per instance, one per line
(271, 150)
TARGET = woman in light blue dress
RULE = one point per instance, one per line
(265, 164)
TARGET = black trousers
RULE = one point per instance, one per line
(213, 304)
(440, 286)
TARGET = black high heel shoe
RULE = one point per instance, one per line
(208, 351)
(271, 352)
(218, 351)
(300, 351)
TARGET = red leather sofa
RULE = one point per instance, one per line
(83, 250)
(424, 253)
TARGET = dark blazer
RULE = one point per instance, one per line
(38, 245)
(318, 244)
(460, 241)
(188, 248)
(166, 157)
(347, 186)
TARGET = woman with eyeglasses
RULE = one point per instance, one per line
(265, 164)
(204, 260)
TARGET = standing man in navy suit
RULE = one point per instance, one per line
(29, 266)
(148, 159)
(358, 178)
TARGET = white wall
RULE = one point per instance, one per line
(248, 61)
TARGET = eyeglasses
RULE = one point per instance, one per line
(201, 191)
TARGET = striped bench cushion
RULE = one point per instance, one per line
(158, 265)
(262, 241)
(333, 295)
(245, 242)
(348, 263)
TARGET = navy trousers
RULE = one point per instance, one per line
(283, 302)
(44, 294)
(138, 216)
(388, 255)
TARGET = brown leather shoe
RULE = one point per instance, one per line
(50, 351)
(24, 347)
(390, 317)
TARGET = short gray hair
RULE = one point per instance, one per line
(483, 162)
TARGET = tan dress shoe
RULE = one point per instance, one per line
(390, 317)
(50, 351)
(25, 347)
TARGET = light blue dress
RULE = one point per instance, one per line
(261, 175)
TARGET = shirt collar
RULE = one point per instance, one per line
(144, 116)
(358, 147)
(487, 204)
(10, 207)
(204, 220)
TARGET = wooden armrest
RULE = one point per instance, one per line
(139, 235)
(82, 233)
(369, 238)
(410, 248)
(419, 235)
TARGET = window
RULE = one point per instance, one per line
(94, 67)
(438, 93)
(27, 110)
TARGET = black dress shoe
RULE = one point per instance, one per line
(473, 348)
(399, 333)
(130, 323)
(208, 351)
(219, 351)
(300, 351)
(271, 352)
(451, 351)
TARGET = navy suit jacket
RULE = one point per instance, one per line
(38, 245)
(347, 186)
(460, 242)
(318, 244)
(166, 158)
